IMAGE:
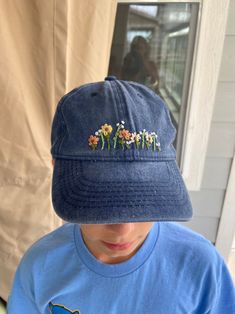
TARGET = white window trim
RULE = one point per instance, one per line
(226, 230)
(202, 89)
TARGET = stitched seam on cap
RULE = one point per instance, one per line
(118, 98)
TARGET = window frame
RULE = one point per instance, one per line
(208, 50)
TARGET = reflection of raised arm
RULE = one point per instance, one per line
(152, 71)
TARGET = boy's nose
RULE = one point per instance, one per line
(121, 229)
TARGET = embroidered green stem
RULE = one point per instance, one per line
(116, 136)
(154, 143)
(108, 140)
(143, 133)
(102, 140)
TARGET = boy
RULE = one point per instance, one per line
(116, 182)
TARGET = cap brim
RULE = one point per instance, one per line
(92, 192)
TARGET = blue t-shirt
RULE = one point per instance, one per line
(175, 271)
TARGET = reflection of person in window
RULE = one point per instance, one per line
(137, 66)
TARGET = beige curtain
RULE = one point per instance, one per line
(47, 48)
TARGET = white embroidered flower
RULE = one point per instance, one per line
(133, 135)
(96, 133)
(122, 122)
(117, 124)
(149, 138)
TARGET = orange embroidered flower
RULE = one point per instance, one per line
(106, 129)
(125, 134)
(93, 141)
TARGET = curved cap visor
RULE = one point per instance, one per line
(139, 191)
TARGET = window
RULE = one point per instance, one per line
(186, 43)
(151, 46)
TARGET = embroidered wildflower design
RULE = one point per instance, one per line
(124, 138)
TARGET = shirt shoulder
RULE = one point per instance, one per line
(190, 247)
(48, 249)
(196, 268)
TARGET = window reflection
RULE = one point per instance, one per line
(151, 46)
(137, 65)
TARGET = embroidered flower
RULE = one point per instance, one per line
(132, 137)
(125, 134)
(106, 129)
(149, 139)
(124, 138)
(93, 141)
(156, 143)
(135, 138)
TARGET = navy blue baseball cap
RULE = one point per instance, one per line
(114, 158)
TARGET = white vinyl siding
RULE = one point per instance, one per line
(208, 202)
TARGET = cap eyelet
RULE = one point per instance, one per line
(140, 95)
(94, 94)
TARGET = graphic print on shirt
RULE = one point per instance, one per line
(61, 309)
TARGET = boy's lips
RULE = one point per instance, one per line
(118, 246)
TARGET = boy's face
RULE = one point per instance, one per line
(115, 243)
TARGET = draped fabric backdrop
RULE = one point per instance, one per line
(48, 47)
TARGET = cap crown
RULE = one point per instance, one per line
(83, 111)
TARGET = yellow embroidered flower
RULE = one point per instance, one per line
(106, 129)
(133, 136)
(137, 138)
(149, 138)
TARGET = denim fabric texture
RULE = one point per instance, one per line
(115, 183)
